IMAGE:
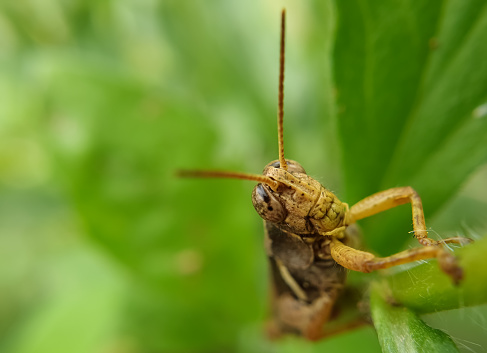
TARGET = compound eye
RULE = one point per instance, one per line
(267, 205)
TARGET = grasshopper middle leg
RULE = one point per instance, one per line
(365, 262)
(362, 261)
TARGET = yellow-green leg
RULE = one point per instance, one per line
(362, 261)
(365, 262)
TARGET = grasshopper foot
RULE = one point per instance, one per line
(449, 264)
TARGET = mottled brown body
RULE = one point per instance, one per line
(305, 286)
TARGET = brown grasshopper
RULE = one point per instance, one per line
(309, 236)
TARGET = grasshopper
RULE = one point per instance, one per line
(309, 236)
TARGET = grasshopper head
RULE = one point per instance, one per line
(290, 203)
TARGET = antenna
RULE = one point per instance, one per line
(280, 104)
(280, 114)
(231, 175)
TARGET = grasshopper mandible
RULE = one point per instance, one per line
(308, 239)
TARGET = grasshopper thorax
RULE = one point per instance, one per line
(299, 203)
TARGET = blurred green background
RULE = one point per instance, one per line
(104, 250)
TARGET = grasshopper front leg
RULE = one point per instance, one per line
(391, 198)
(365, 262)
(362, 261)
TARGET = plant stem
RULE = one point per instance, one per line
(426, 289)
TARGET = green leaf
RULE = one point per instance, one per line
(411, 77)
(401, 330)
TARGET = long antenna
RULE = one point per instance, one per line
(280, 114)
(280, 105)
(231, 175)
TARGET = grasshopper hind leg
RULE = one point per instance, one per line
(310, 320)
(304, 299)
(298, 317)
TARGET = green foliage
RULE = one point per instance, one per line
(102, 249)
(409, 115)
(396, 300)
(401, 330)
